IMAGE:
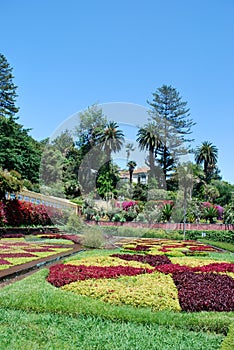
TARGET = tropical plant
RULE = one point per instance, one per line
(228, 216)
(131, 166)
(149, 139)
(210, 213)
(129, 148)
(111, 139)
(167, 212)
(207, 154)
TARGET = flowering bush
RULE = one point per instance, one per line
(16, 213)
(212, 210)
(128, 204)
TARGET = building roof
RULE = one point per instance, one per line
(141, 170)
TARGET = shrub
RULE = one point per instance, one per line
(92, 237)
(74, 223)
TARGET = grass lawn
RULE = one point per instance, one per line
(36, 315)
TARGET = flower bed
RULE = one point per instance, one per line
(15, 252)
(151, 280)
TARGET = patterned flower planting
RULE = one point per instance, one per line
(142, 278)
(14, 252)
(64, 274)
(204, 291)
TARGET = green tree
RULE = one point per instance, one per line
(172, 118)
(7, 90)
(91, 125)
(131, 166)
(107, 179)
(51, 172)
(226, 191)
(207, 154)
(87, 135)
(111, 139)
(10, 182)
(19, 151)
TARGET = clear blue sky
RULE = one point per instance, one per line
(69, 54)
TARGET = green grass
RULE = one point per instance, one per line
(222, 245)
(228, 343)
(34, 293)
(29, 330)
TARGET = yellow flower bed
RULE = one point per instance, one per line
(107, 261)
(156, 291)
(192, 262)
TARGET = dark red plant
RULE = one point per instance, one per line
(60, 274)
(204, 291)
(153, 260)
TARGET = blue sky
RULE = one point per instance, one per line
(70, 54)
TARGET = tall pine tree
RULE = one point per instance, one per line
(7, 90)
(18, 150)
(173, 120)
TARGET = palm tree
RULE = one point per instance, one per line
(111, 139)
(149, 139)
(129, 148)
(131, 166)
(207, 154)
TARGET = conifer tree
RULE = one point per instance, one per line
(7, 90)
(172, 118)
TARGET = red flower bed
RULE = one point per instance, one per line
(60, 274)
(153, 260)
(214, 267)
(173, 268)
(204, 291)
(202, 248)
(18, 244)
(140, 248)
(13, 235)
(4, 262)
(38, 250)
(16, 255)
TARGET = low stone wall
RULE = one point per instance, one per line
(166, 226)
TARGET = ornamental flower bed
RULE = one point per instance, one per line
(204, 292)
(150, 280)
(64, 274)
(14, 252)
(168, 247)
